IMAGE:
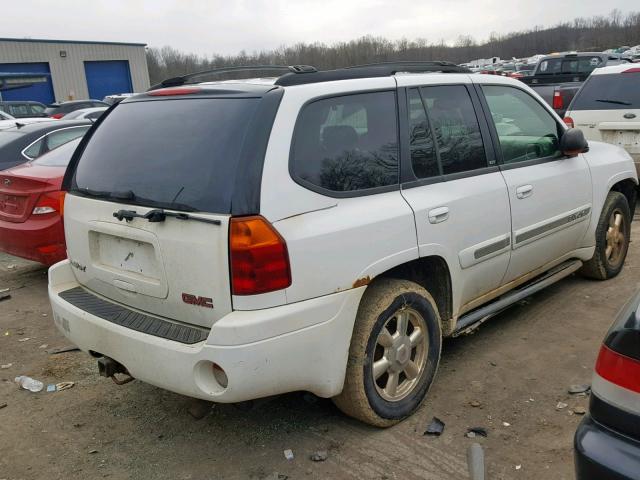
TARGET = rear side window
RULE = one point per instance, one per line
(37, 109)
(609, 92)
(180, 154)
(347, 143)
(59, 157)
(455, 125)
(569, 65)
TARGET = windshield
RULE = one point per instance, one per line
(178, 153)
(58, 157)
(609, 92)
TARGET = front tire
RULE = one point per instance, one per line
(612, 239)
(394, 353)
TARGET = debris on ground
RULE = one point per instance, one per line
(319, 456)
(476, 432)
(93, 451)
(575, 389)
(518, 467)
(64, 386)
(579, 410)
(56, 351)
(199, 409)
(2, 405)
(6, 365)
(4, 294)
(561, 405)
(11, 267)
(436, 427)
(44, 345)
(29, 383)
(51, 388)
(276, 476)
(475, 403)
(24, 339)
(506, 424)
(475, 461)
(288, 454)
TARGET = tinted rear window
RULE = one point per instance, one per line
(179, 154)
(609, 92)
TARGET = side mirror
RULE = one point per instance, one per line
(573, 142)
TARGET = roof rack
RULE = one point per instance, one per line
(384, 69)
(184, 79)
(302, 74)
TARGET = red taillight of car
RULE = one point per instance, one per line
(61, 197)
(57, 116)
(618, 369)
(258, 255)
(49, 202)
(558, 102)
(569, 122)
(163, 92)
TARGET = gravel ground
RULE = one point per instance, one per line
(508, 377)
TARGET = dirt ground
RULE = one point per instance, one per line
(515, 369)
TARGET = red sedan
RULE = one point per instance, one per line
(31, 203)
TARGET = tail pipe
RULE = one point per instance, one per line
(108, 367)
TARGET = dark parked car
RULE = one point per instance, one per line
(59, 110)
(558, 77)
(21, 144)
(26, 109)
(607, 442)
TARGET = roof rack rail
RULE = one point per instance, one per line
(383, 69)
(184, 79)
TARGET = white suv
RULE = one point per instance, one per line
(324, 230)
(607, 108)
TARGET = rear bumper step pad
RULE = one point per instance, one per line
(111, 312)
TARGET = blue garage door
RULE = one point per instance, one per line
(108, 77)
(39, 92)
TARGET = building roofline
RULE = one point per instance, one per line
(89, 42)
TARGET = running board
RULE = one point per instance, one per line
(472, 320)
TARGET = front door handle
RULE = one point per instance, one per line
(438, 215)
(524, 191)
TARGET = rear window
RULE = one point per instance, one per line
(180, 154)
(58, 157)
(609, 92)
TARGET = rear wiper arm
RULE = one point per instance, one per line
(617, 102)
(159, 215)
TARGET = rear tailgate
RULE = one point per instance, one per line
(177, 269)
(177, 155)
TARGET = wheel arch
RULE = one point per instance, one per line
(433, 274)
(629, 188)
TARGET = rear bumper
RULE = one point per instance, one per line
(37, 239)
(313, 358)
(601, 453)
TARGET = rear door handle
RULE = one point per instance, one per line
(524, 191)
(438, 215)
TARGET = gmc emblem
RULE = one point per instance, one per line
(198, 301)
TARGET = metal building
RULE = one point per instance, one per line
(73, 70)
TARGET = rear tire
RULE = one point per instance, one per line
(612, 239)
(394, 353)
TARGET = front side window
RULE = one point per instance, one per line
(455, 125)
(347, 143)
(526, 130)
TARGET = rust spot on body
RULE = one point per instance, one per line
(361, 282)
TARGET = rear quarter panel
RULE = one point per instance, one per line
(608, 165)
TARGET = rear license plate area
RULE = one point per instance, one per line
(125, 255)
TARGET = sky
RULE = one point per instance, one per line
(206, 27)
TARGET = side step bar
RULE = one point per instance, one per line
(472, 320)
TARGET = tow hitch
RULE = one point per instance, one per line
(108, 367)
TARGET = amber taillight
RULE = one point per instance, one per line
(258, 256)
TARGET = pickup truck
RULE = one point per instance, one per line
(558, 77)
